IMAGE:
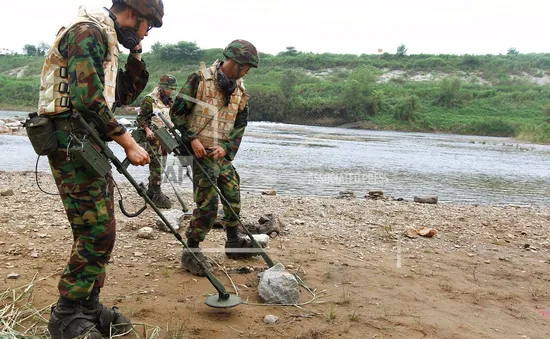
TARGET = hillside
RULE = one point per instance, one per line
(500, 95)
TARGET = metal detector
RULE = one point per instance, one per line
(139, 137)
(180, 148)
(223, 299)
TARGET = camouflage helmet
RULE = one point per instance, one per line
(168, 81)
(152, 10)
(242, 52)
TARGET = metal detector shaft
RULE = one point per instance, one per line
(180, 141)
(180, 200)
(121, 168)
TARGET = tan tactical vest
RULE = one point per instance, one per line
(54, 83)
(213, 125)
(159, 107)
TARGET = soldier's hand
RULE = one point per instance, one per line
(137, 155)
(149, 134)
(217, 152)
(198, 148)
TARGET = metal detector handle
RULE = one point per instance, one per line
(126, 163)
(130, 215)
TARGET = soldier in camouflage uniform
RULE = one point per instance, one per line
(81, 74)
(159, 101)
(214, 127)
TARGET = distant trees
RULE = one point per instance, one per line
(183, 51)
(401, 50)
(36, 50)
(512, 51)
(290, 51)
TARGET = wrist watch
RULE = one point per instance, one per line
(136, 51)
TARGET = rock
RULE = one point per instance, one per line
(375, 195)
(270, 319)
(7, 193)
(262, 239)
(410, 233)
(146, 233)
(174, 217)
(277, 286)
(346, 194)
(267, 224)
(426, 232)
(271, 192)
(13, 276)
(34, 254)
(430, 199)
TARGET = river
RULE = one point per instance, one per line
(321, 161)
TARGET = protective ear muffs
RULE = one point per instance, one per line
(126, 36)
(224, 83)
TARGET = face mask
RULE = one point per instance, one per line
(126, 36)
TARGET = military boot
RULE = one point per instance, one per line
(239, 247)
(109, 321)
(159, 199)
(68, 321)
(188, 261)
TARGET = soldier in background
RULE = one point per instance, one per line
(159, 101)
(215, 131)
(81, 74)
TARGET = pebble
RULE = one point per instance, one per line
(13, 276)
(270, 319)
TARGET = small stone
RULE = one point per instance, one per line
(270, 319)
(13, 276)
(147, 274)
(34, 254)
(138, 254)
(7, 193)
(146, 233)
(487, 261)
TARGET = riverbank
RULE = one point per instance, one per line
(484, 274)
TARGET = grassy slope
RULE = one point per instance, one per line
(508, 106)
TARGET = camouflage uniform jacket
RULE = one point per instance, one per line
(85, 48)
(155, 102)
(182, 110)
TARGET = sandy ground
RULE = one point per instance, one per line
(484, 275)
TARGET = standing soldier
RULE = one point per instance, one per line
(214, 130)
(81, 74)
(159, 101)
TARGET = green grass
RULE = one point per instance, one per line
(332, 89)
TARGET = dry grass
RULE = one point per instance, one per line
(20, 318)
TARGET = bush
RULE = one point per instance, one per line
(449, 95)
(404, 109)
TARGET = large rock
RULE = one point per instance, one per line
(174, 217)
(277, 286)
(267, 224)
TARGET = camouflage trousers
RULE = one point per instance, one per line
(226, 178)
(88, 203)
(156, 153)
